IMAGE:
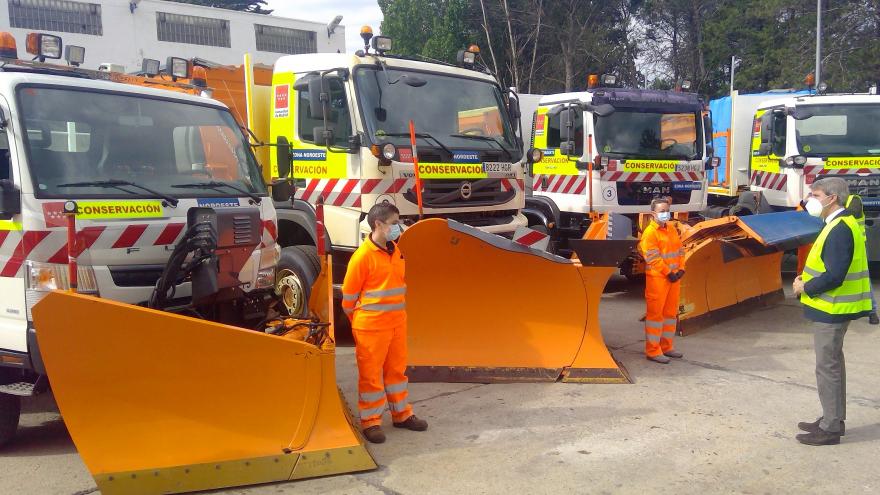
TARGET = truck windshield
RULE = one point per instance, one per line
(648, 134)
(455, 110)
(82, 137)
(839, 130)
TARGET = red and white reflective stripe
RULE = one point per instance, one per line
(50, 246)
(531, 238)
(563, 184)
(347, 192)
(270, 233)
(512, 184)
(615, 176)
(769, 180)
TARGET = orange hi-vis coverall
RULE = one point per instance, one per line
(373, 296)
(661, 248)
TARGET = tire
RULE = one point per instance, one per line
(294, 278)
(10, 412)
(311, 253)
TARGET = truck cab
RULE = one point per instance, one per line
(355, 151)
(127, 163)
(611, 151)
(799, 139)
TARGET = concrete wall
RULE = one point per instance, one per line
(128, 37)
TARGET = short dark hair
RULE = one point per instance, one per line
(833, 185)
(660, 200)
(381, 212)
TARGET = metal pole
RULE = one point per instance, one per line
(818, 42)
(732, 72)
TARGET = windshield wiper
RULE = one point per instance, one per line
(118, 185)
(423, 135)
(217, 185)
(490, 139)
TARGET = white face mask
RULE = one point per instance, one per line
(663, 216)
(814, 207)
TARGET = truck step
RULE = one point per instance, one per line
(24, 389)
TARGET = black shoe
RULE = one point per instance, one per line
(820, 437)
(374, 434)
(673, 354)
(814, 427)
(413, 423)
(873, 319)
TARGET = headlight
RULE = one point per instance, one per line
(388, 151)
(43, 278)
(265, 278)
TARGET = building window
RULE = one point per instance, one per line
(285, 40)
(56, 15)
(192, 29)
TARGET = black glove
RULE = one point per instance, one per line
(680, 274)
(672, 277)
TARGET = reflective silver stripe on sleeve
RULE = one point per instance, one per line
(652, 251)
(396, 387)
(670, 255)
(350, 297)
(864, 296)
(673, 266)
(348, 311)
(399, 406)
(372, 396)
(376, 411)
(811, 272)
(383, 307)
(857, 276)
(653, 324)
(398, 291)
(653, 338)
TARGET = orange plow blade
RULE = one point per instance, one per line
(484, 309)
(162, 403)
(733, 264)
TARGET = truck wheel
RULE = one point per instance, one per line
(296, 274)
(311, 253)
(10, 411)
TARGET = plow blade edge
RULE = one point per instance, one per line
(162, 403)
(484, 309)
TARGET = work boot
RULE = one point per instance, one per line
(673, 354)
(819, 437)
(814, 426)
(659, 359)
(374, 434)
(413, 423)
(873, 319)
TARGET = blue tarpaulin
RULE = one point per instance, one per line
(784, 230)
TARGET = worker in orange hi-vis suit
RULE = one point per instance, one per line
(664, 266)
(374, 298)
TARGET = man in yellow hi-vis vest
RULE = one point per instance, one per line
(835, 289)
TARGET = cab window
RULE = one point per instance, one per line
(339, 119)
(780, 124)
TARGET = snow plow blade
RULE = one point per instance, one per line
(162, 403)
(733, 264)
(485, 309)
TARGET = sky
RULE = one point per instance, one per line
(355, 13)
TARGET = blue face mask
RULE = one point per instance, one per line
(663, 216)
(394, 233)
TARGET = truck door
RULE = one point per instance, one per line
(556, 171)
(768, 148)
(13, 321)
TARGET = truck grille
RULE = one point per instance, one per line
(866, 187)
(482, 218)
(455, 193)
(136, 275)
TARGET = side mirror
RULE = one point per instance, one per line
(10, 199)
(603, 110)
(566, 131)
(710, 150)
(801, 113)
(323, 136)
(764, 149)
(317, 97)
(2, 119)
(581, 165)
(513, 109)
(282, 157)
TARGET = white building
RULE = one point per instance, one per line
(127, 31)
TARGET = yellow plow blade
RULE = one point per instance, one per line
(733, 264)
(162, 403)
(484, 309)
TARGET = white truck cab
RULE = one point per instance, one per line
(133, 161)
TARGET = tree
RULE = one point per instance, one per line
(254, 6)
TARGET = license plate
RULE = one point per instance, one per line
(689, 167)
(499, 170)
